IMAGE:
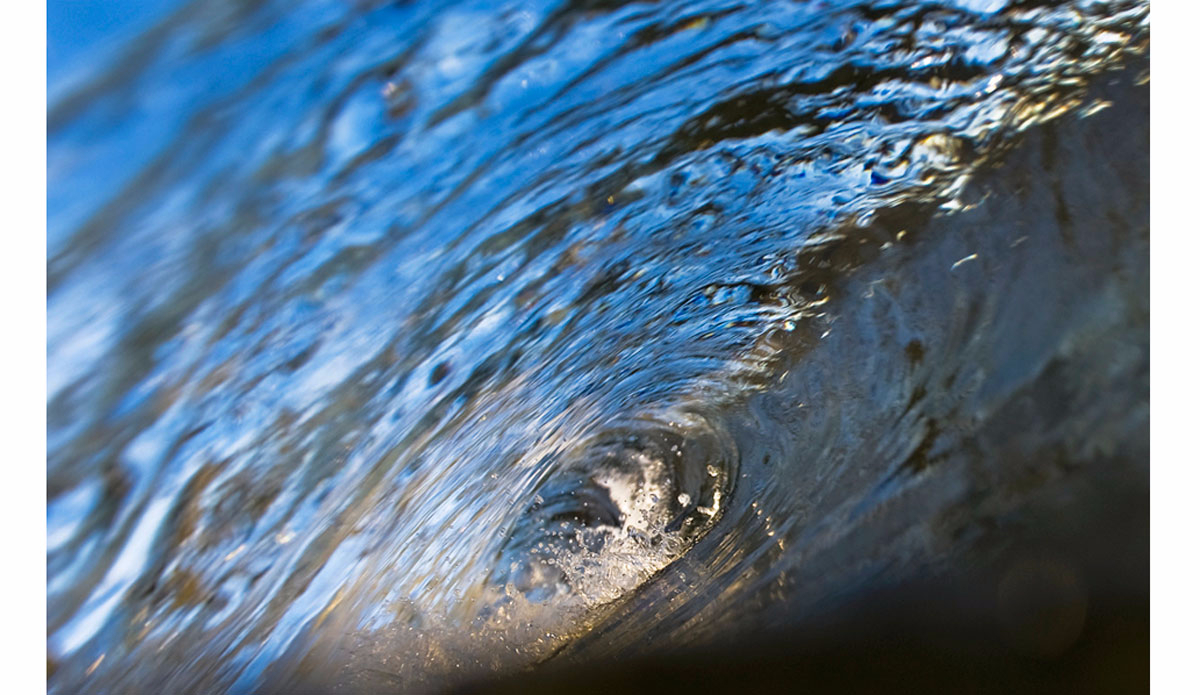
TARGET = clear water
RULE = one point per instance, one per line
(392, 344)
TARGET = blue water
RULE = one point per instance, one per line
(411, 341)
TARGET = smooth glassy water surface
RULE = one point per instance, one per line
(396, 345)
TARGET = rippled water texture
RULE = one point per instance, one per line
(396, 344)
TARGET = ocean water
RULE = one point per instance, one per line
(408, 345)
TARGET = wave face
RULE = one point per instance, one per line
(397, 344)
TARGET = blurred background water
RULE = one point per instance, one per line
(395, 345)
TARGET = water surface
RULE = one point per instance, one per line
(392, 344)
